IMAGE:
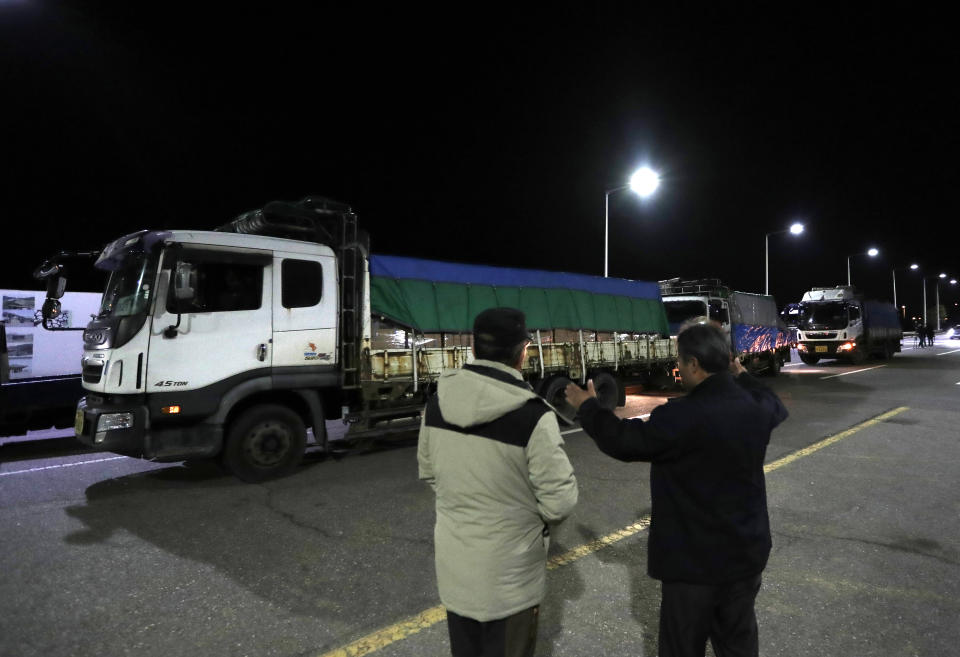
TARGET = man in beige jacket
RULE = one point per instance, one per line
(491, 449)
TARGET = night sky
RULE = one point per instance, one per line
(484, 135)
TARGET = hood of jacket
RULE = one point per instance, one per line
(467, 397)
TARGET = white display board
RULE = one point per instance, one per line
(35, 352)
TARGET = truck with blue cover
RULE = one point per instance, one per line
(758, 338)
(838, 323)
(230, 343)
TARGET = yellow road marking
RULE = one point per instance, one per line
(388, 635)
(425, 619)
(829, 440)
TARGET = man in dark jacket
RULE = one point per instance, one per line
(709, 531)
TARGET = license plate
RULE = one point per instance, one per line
(78, 423)
(820, 349)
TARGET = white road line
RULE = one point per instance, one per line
(948, 352)
(564, 433)
(853, 372)
(62, 465)
(793, 364)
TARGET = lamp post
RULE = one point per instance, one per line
(643, 182)
(870, 252)
(795, 229)
(937, 306)
(924, 279)
(893, 273)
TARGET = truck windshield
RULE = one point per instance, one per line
(681, 310)
(129, 289)
(826, 315)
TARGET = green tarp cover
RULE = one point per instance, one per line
(432, 297)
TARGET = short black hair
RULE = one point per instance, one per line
(707, 343)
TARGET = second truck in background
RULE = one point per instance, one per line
(757, 336)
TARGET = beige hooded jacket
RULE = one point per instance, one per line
(491, 449)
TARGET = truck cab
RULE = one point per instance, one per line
(685, 300)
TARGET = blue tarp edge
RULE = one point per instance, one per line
(398, 267)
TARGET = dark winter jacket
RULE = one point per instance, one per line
(709, 521)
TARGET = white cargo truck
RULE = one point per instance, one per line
(230, 343)
(838, 323)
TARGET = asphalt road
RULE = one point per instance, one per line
(106, 555)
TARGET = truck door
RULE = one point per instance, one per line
(224, 331)
(855, 321)
(304, 310)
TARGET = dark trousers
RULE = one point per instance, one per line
(691, 613)
(513, 636)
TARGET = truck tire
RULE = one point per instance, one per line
(553, 393)
(264, 442)
(608, 390)
(857, 356)
(810, 359)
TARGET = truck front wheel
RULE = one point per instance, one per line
(264, 442)
(810, 359)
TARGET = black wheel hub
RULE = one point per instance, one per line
(267, 444)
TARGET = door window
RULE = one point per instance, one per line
(221, 287)
(718, 313)
(301, 283)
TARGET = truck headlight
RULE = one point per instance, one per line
(111, 421)
(847, 346)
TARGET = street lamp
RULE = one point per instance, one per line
(870, 252)
(795, 229)
(644, 183)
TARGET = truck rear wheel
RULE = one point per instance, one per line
(264, 442)
(608, 391)
(553, 393)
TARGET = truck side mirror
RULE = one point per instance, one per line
(185, 282)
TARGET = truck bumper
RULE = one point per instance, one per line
(142, 438)
(822, 349)
(91, 420)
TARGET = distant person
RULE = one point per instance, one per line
(709, 531)
(491, 450)
(921, 332)
(931, 335)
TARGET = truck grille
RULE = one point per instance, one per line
(92, 373)
(821, 335)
